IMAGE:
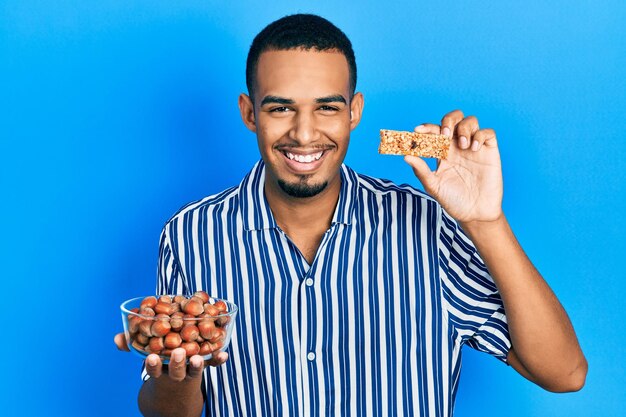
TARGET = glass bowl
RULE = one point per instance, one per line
(200, 324)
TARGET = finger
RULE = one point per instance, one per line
(449, 122)
(428, 128)
(120, 342)
(196, 366)
(177, 368)
(422, 171)
(154, 366)
(218, 359)
(486, 137)
(465, 131)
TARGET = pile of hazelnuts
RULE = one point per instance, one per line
(164, 324)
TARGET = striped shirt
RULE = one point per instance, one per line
(374, 326)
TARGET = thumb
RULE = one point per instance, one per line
(422, 171)
(120, 342)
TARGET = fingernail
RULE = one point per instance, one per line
(196, 363)
(177, 356)
(475, 145)
(446, 131)
(463, 142)
(152, 361)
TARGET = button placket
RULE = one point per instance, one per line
(308, 324)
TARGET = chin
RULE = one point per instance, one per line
(302, 189)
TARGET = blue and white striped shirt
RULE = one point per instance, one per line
(374, 326)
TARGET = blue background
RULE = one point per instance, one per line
(114, 114)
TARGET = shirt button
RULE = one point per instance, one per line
(311, 356)
(309, 282)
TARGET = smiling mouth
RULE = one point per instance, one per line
(304, 159)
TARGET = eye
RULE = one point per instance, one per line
(329, 108)
(281, 109)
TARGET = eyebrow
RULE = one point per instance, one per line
(336, 98)
(276, 100)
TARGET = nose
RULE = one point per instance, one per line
(304, 129)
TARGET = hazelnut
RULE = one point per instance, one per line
(189, 320)
(145, 328)
(148, 302)
(189, 333)
(211, 310)
(221, 306)
(191, 348)
(172, 340)
(179, 298)
(135, 310)
(133, 324)
(160, 328)
(156, 344)
(144, 340)
(202, 295)
(218, 336)
(163, 308)
(138, 346)
(197, 300)
(222, 321)
(176, 323)
(165, 299)
(147, 312)
(206, 348)
(194, 308)
(206, 329)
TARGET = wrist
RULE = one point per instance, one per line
(476, 228)
(164, 396)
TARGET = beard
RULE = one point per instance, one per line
(302, 189)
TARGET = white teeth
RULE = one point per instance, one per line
(305, 159)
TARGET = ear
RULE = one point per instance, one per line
(246, 108)
(356, 110)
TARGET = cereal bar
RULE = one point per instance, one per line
(429, 145)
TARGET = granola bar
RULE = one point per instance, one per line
(429, 145)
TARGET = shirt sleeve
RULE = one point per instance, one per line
(471, 298)
(170, 280)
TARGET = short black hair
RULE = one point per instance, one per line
(299, 31)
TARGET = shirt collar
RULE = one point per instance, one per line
(256, 211)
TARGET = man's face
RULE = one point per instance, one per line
(302, 118)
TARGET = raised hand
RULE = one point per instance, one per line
(468, 184)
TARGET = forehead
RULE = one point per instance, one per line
(302, 74)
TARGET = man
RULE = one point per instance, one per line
(355, 295)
